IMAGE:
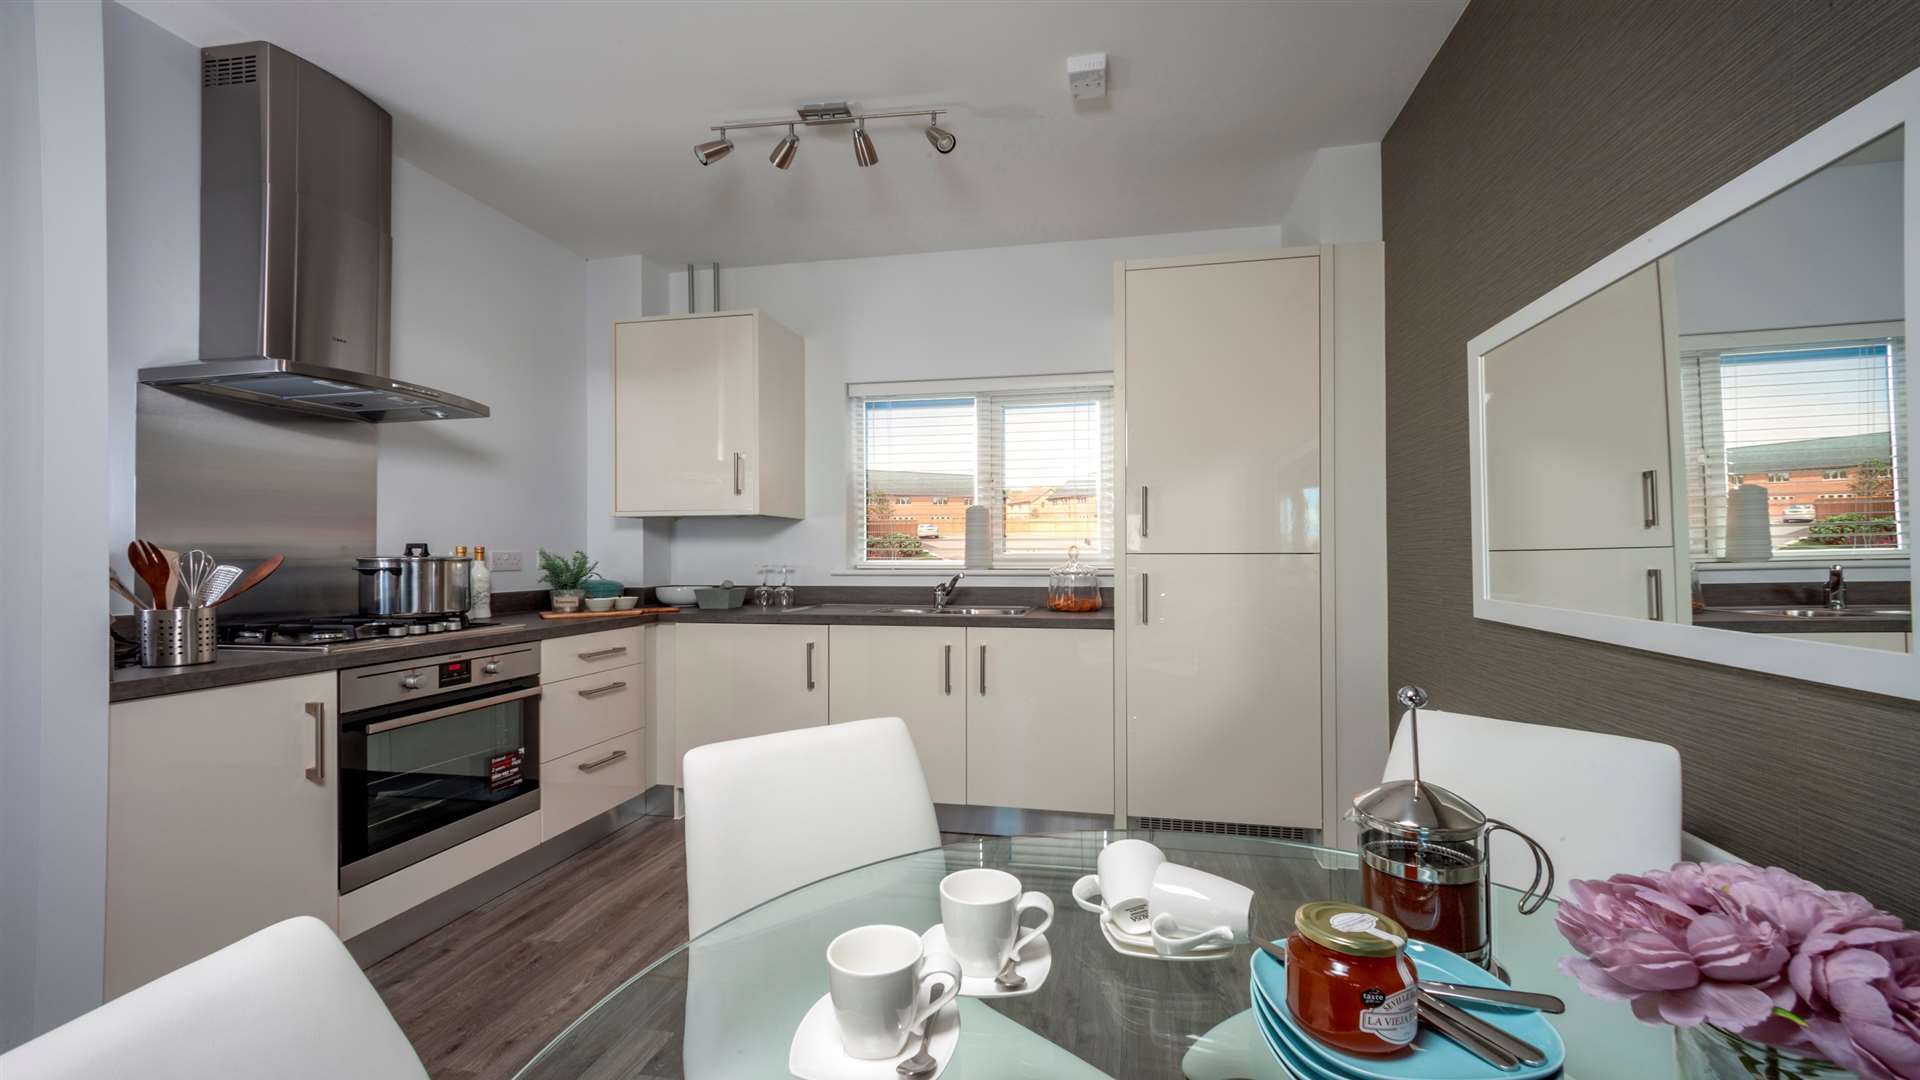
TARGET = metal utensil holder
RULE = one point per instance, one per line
(176, 637)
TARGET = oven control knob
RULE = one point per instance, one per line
(491, 667)
(409, 682)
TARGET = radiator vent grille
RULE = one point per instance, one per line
(227, 70)
(1228, 828)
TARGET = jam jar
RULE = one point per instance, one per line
(1349, 983)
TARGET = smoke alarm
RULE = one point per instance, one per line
(1087, 76)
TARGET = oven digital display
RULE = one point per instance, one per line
(455, 672)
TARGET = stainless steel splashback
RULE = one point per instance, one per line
(245, 482)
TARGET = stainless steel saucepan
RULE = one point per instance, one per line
(414, 584)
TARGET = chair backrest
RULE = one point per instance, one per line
(768, 814)
(287, 1002)
(1599, 804)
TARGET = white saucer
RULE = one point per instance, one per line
(818, 1054)
(1129, 945)
(1036, 960)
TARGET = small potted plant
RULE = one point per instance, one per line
(564, 577)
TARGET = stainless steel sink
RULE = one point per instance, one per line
(1828, 613)
(955, 611)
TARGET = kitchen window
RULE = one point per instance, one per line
(1036, 451)
(1787, 407)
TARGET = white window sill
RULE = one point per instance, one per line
(1105, 572)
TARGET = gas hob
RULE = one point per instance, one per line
(336, 633)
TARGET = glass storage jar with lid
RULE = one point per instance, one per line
(1073, 585)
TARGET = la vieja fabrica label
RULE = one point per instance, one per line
(1392, 1017)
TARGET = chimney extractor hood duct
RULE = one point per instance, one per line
(296, 251)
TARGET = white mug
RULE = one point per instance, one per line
(981, 910)
(1210, 910)
(875, 975)
(1126, 869)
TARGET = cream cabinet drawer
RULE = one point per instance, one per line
(566, 657)
(579, 712)
(591, 781)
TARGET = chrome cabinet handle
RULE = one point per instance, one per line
(1650, 496)
(599, 691)
(739, 473)
(809, 665)
(602, 654)
(1655, 603)
(983, 671)
(318, 710)
(1143, 511)
(949, 670)
(589, 766)
(1144, 621)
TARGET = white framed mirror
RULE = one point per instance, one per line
(1700, 445)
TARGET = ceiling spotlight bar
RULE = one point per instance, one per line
(932, 115)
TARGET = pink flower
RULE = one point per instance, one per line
(1755, 950)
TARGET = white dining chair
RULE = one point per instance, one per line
(768, 814)
(287, 1002)
(1600, 804)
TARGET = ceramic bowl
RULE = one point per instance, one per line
(676, 595)
(599, 603)
(625, 603)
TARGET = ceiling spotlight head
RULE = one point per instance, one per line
(709, 152)
(942, 139)
(783, 151)
(863, 152)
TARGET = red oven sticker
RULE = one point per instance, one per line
(503, 770)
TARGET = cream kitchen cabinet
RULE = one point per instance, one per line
(1577, 447)
(1632, 582)
(1040, 719)
(735, 680)
(222, 810)
(709, 416)
(917, 673)
(1221, 375)
(1223, 688)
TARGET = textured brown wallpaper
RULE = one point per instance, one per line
(1544, 136)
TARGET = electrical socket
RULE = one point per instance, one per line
(503, 561)
(1087, 76)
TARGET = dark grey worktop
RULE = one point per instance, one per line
(851, 606)
(1746, 623)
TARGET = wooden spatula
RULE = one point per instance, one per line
(254, 577)
(148, 562)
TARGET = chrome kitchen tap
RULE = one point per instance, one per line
(944, 593)
(1836, 588)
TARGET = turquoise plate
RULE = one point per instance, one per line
(1431, 1056)
(1290, 1056)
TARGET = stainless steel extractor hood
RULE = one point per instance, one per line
(296, 251)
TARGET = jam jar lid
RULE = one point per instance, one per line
(1349, 928)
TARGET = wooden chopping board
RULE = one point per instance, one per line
(608, 614)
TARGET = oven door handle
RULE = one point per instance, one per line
(451, 710)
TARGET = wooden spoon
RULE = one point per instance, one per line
(254, 577)
(151, 565)
(113, 582)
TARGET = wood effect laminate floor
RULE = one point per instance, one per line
(481, 995)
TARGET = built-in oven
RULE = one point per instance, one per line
(435, 751)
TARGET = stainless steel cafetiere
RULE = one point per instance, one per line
(1425, 860)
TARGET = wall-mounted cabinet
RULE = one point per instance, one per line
(709, 417)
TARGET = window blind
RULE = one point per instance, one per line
(1819, 425)
(1038, 454)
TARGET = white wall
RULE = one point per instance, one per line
(489, 309)
(153, 225)
(1825, 251)
(53, 498)
(1338, 201)
(1036, 309)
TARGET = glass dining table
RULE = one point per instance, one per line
(727, 1003)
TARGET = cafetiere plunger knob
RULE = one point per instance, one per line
(1413, 697)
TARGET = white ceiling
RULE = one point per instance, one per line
(578, 119)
